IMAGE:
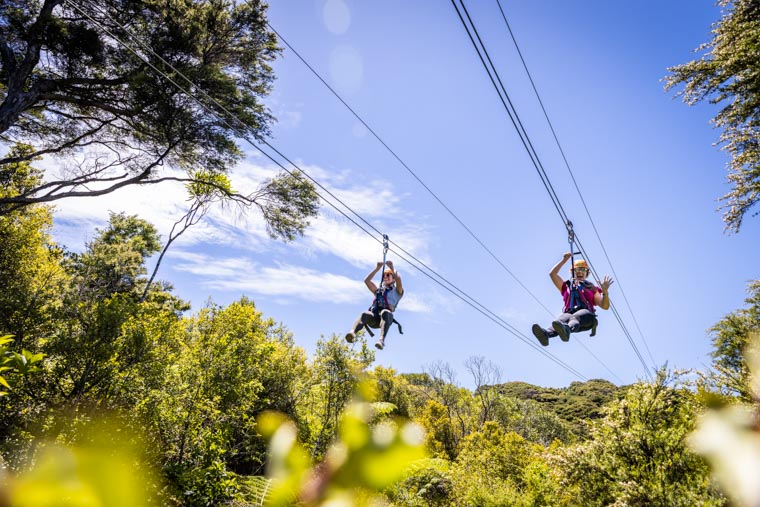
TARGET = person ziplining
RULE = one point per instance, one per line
(387, 297)
(580, 298)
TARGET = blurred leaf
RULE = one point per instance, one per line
(105, 471)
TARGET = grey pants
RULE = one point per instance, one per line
(370, 319)
(582, 320)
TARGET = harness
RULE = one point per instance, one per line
(381, 295)
(381, 303)
(577, 300)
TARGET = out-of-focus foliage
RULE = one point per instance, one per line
(730, 438)
(371, 453)
(335, 373)
(104, 466)
(730, 338)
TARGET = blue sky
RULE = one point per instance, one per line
(644, 161)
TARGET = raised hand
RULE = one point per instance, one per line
(605, 284)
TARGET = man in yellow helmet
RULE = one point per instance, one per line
(580, 296)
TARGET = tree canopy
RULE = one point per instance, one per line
(85, 83)
(728, 73)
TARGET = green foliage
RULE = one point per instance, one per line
(233, 365)
(288, 203)
(730, 337)
(637, 454)
(729, 72)
(94, 92)
(394, 389)
(105, 467)
(441, 433)
(579, 402)
(365, 459)
(532, 421)
(30, 273)
(489, 469)
(335, 374)
(15, 363)
(427, 483)
(730, 440)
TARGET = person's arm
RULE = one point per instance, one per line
(602, 299)
(368, 281)
(554, 273)
(399, 284)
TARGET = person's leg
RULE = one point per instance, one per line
(387, 321)
(550, 332)
(366, 318)
(585, 321)
(541, 334)
(560, 326)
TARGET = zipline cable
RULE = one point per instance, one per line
(575, 183)
(492, 316)
(393, 153)
(514, 117)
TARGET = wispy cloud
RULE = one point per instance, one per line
(330, 237)
(281, 280)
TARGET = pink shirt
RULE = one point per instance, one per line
(587, 292)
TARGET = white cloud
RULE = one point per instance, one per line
(331, 236)
(287, 282)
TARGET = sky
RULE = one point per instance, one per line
(645, 163)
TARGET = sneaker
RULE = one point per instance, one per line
(380, 344)
(562, 330)
(539, 333)
(350, 337)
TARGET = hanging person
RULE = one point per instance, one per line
(580, 297)
(380, 314)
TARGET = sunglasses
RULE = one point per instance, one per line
(388, 274)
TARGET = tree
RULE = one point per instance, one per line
(731, 335)
(72, 90)
(486, 375)
(729, 72)
(336, 371)
(637, 454)
(490, 468)
(232, 364)
(30, 273)
(90, 348)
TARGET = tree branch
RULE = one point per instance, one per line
(10, 204)
(69, 144)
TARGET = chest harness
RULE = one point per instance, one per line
(577, 297)
(381, 294)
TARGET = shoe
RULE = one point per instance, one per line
(350, 337)
(562, 330)
(380, 344)
(539, 333)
